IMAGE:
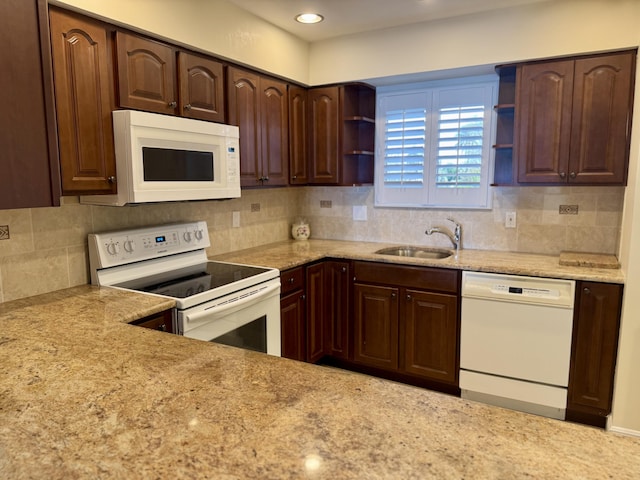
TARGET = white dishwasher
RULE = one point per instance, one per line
(515, 341)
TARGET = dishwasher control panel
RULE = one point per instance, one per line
(519, 289)
(525, 291)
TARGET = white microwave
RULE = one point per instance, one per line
(162, 158)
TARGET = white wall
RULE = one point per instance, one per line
(626, 414)
(538, 30)
(213, 26)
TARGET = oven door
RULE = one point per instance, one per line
(247, 319)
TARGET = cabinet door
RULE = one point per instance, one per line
(146, 74)
(29, 159)
(316, 309)
(544, 97)
(337, 301)
(601, 122)
(292, 326)
(84, 100)
(274, 126)
(201, 83)
(430, 332)
(375, 327)
(243, 96)
(324, 135)
(298, 165)
(595, 344)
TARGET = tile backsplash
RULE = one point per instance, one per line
(46, 249)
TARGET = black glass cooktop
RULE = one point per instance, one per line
(189, 281)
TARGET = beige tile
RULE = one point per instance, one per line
(593, 239)
(78, 265)
(20, 232)
(544, 239)
(61, 227)
(34, 273)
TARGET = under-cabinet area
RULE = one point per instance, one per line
(403, 322)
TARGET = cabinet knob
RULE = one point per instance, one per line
(295, 177)
(563, 175)
(266, 179)
(408, 297)
(393, 295)
(572, 174)
(111, 179)
(586, 290)
(187, 106)
(162, 327)
(172, 104)
(303, 297)
(344, 269)
(291, 280)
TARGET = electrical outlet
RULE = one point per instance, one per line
(568, 209)
(325, 204)
(360, 213)
(255, 207)
(235, 219)
(510, 220)
(4, 232)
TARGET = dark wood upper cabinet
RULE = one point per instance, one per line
(84, 96)
(29, 160)
(201, 82)
(544, 121)
(259, 106)
(602, 106)
(298, 164)
(573, 120)
(324, 135)
(594, 349)
(340, 134)
(146, 74)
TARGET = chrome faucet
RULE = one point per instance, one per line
(455, 236)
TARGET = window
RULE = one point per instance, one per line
(434, 144)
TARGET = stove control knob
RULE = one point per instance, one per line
(198, 234)
(129, 246)
(187, 236)
(113, 248)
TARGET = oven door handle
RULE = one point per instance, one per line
(216, 311)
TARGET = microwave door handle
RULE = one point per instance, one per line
(228, 308)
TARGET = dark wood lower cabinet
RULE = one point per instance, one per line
(596, 326)
(162, 321)
(375, 329)
(402, 326)
(292, 326)
(429, 333)
(316, 307)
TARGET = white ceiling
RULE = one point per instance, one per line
(344, 17)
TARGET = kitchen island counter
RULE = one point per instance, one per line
(292, 253)
(84, 395)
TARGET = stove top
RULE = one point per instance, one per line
(169, 260)
(193, 280)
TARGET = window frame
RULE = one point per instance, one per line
(427, 195)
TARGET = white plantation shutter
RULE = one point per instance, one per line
(434, 144)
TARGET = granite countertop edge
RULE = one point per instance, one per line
(290, 254)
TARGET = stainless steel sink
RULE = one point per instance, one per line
(416, 252)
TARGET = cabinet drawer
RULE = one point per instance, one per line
(428, 278)
(291, 280)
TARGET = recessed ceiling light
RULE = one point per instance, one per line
(309, 18)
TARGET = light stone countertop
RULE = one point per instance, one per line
(83, 395)
(289, 254)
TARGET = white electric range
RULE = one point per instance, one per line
(222, 302)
